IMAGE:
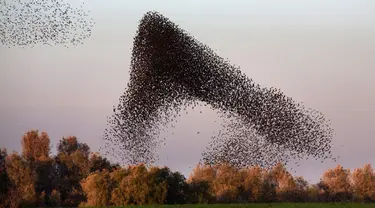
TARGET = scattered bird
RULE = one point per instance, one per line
(25, 23)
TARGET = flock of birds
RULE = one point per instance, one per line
(171, 70)
(27, 23)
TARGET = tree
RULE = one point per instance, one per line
(158, 185)
(199, 192)
(98, 163)
(269, 187)
(227, 183)
(364, 183)
(4, 179)
(98, 187)
(30, 174)
(118, 197)
(70, 145)
(35, 146)
(14, 199)
(22, 176)
(338, 184)
(312, 193)
(44, 179)
(283, 182)
(202, 178)
(323, 191)
(35, 152)
(177, 189)
(71, 165)
(301, 189)
(253, 181)
(134, 186)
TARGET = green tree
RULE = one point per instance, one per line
(99, 163)
(269, 187)
(301, 189)
(313, 193)
(44, 179)
(199, 192)
(177, 188)
(71, 166)
(158, 185)
(70, 145)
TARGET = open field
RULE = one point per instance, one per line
(274, 205)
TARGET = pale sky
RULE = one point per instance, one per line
(318, 52)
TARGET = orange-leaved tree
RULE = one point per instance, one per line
(285, 184)
(227, 183)
(35, 146)
(98, 187)
(338, 184)
(364, 183)
(200, 184)
(22, 176)
(253, 183)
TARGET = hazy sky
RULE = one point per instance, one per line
(318, 52)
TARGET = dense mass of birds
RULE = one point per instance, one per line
(171, 70)
(26, 23)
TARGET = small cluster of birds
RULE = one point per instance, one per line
(27, 23)
(170, 69)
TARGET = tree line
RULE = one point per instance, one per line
(75, 176)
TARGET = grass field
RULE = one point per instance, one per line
(274, 205)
